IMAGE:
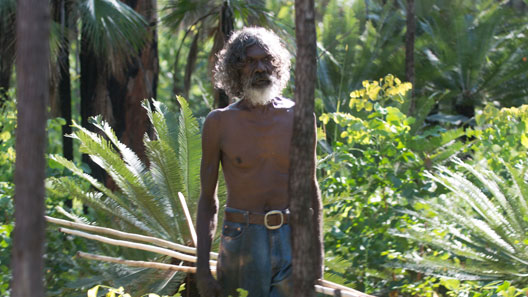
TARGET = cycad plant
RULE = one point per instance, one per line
(472, 50)
(145, 200)
(477, 230)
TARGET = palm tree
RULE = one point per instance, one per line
(479, 224)
(145, 200)
(114, 39)
(114, 54)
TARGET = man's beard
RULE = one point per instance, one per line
(260, 89)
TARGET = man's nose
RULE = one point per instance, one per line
(260, 67)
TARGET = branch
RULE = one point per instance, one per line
(326, 287)
(331, 292)
(147, 264)
(188, 218)
(131, 236)
(139, 246)
(332, 285)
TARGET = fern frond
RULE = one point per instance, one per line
(488, 179)
(165, 172)
(138, 185)
(97, 201)
(103, 154)
(478, 221)
(189, 152)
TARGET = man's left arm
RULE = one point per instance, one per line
(317, 206)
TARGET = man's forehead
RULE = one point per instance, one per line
(256, 50)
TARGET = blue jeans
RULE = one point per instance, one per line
(255, 259)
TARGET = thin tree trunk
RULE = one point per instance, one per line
(189, 67)
(94, 99)
(33, 25)
(7, 53)
(409, 52)
(62, 17)
(225, 28)
(302, 163)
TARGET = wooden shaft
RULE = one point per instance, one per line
(125, 235)
(147, 264)
(134, 245)
(327, 289)
(332, 285)
(188, 217)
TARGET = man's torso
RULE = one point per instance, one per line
(254, 146)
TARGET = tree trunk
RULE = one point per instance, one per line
(33, 25)
(62, 17)
(409, 52)
(225, 28)
(7, 53)
(302, 163)
(139, 82)
(94, 98)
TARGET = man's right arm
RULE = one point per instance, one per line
(206, 219)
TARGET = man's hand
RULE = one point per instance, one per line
(208, 285)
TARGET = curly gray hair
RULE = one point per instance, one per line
(232, 57)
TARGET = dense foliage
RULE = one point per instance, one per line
(423, 201)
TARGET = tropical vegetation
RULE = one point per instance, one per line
(424, 184)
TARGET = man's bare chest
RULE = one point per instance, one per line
(252, 142)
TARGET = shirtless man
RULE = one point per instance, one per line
(251, 139)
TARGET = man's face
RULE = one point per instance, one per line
(258, 80)
(257, 71)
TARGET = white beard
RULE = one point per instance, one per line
(261, 96)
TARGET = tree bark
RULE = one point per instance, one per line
(7, 54)
(302, 163)
(94, 96)
(409, 52)
(139, 82)
(33, 25)
(225, 28)
(62, 17)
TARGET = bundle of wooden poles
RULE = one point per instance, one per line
(163, 247)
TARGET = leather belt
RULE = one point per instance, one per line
(273, 219)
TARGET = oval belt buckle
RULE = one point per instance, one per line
(273, 212)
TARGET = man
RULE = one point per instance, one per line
(251, 139)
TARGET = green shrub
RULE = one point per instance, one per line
(372, 167)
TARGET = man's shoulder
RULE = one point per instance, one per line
(216, 115)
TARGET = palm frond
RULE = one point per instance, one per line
(138, 184)
(146, 199)
(479, 223)
(113, 29)
(186, 12)
(97, 201)
(189, 152)
(164, 167)
(102, 152)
